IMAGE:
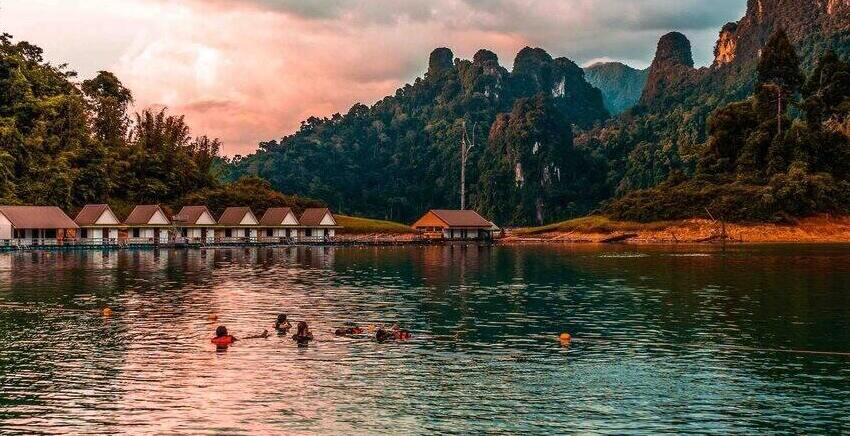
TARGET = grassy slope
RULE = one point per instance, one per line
(592, 224)
(355, 226)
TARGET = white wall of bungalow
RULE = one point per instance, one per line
(98, 224)
(155, 229)
(279, 223)
(200, 229)
(317, 224)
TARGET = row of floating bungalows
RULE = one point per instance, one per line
(150, 225)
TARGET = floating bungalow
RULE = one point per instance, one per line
(98, 224)
(237, 224)
(317, 225)
(35, 226)
(279, 224)
(195, 224)
(148, 224)
(455, 224)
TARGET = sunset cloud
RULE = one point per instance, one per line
(251, 70)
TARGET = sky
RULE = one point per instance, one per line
(248, 71)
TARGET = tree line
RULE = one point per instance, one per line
(69, 143)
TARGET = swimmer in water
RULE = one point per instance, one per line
(401, 334)
(282, 325)
(350, 331)
(222, 339)
(394, 334)
(302, 336)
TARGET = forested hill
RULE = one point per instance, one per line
(400, 157)
(546, 148)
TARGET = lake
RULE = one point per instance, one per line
(667, 339)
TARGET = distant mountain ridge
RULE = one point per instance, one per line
(621, 85)
(399, 157)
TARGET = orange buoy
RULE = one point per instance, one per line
(106, 311)
(212, 317)
(565, 338)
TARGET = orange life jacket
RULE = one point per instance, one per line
(222, 341)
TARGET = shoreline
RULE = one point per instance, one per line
(811, 230)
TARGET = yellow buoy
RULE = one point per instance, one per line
(565, 338)
(106, 311)
(371, 328)
(212, 317)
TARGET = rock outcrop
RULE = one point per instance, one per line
(672, 68)
(441, 60)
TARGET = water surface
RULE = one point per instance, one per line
(656, 328)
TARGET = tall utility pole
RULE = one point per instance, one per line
(465, 146)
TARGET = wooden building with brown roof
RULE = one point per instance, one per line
(148, 224)
(98, 224)
(35, 225)
(317, 225)
(454, 224)
(195, 224)
(278, 224)
(237, 223)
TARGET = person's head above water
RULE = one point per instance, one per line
(302, 328)
(281, 319)
(221, 331)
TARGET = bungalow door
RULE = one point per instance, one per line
(156, 236)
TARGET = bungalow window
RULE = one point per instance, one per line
(308, 233)
(135, 233)
(84, 233)
(269, 233)
(227, 233)
(20, 233)
(50, 233)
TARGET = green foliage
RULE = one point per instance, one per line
(400, 157)
(531, 169)
(752, 169)
(248, 191)
(69, 144)
(779, 64)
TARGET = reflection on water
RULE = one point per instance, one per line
(485, 354)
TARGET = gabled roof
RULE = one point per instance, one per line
(191, 214)
(37, 217)
(141, 215)
(314, 217)
(91, 213)
(233, 216)
(461, 218)
(275, 216)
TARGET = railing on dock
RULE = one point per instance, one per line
(28, 243)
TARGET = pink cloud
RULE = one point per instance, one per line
(249, 74)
